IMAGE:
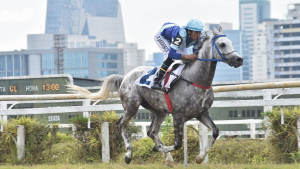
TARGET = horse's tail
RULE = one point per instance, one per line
(109, 89)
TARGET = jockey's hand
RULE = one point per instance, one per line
(189, 57)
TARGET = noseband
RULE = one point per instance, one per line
(214, 45)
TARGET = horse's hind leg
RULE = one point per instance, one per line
(157, 120)
(131, 109)
(207, 121)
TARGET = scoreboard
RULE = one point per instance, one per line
(38, 85)
(32, 85)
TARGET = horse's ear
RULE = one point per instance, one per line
(220, 29)
(214, 31)
(206, 33)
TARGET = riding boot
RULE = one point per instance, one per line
(156, 84)
(164, 67)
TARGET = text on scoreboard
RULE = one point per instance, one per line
(29, 86)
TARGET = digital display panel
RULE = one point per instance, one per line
(34, 85)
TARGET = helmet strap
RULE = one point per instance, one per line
(188, 32)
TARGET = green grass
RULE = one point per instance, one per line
(150, 166)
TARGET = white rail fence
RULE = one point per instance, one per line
(267, 102)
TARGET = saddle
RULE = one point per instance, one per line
(168, 81)
(168, 85)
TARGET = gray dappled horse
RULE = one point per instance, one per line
(187, 100)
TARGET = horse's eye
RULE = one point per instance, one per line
(222, 44)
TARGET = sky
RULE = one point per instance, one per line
(141, 18)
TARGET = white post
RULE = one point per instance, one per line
(3, 106)
(252, 130)
(298, 132)
(144, 131)
(267, 96)
(89, 120)
(282, 115)
(203, 137)
(1, 123)
(20, 143)
(185, 144)
(87, 102)
(105, 142)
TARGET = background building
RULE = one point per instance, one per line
(91, 63)
(84, 38)
(251, 13)
(263, 56)
(224, 72)
(13, 65)
(46, 41)
(276, 47)
(101, 18)
(287, 44)
(259, 57)
(158, 59)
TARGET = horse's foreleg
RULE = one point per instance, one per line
(207, 121)
(178, 131)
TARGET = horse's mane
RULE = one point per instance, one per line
(208, 35)
(203, 39)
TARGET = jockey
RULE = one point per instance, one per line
(174, 42)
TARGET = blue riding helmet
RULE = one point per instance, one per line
(195, 25)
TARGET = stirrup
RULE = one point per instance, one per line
(156, 86)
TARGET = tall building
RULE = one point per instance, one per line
(263, 56)
(158, 59)
(100, 18)
(287, 44)
(251, 13)
(224, 72)
(276, 46)
(63, 17)
(259, 56)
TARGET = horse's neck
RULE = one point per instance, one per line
(202, 72)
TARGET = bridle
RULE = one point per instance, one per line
(224, 59)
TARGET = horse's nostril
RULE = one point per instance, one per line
(239, 59)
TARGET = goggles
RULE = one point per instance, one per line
(196, 32)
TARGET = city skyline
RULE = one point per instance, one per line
(29, 18)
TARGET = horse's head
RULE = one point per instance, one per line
(225, 51)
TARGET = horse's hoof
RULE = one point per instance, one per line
(127, 159)
(155, 149)
(169, 163)
(199, 160)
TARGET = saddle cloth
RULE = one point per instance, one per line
(147, 79)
